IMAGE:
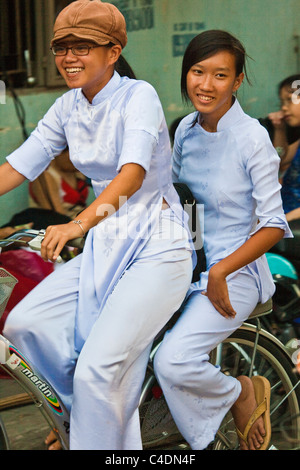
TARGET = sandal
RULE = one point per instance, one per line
(262, 390)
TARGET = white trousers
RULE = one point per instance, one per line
(198, 393)
(101, 386)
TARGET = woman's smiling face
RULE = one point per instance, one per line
(90, 72)
(210, 85)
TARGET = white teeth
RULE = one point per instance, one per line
(205, 98)
(74, 70)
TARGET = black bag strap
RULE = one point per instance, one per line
(189, 204)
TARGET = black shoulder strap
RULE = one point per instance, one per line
(189, 204)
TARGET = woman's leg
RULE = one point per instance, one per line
(111, 366)
(42, 327)
(198, 393)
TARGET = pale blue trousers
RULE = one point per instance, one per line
(101, 385)
(198, 393)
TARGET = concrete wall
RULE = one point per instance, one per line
(158, 31)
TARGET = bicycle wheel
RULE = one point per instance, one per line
(4, 445)
(236, 356)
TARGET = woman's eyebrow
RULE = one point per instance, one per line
(223, 69)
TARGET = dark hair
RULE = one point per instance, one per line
(123, 68)
(207, 44)
(288, 82)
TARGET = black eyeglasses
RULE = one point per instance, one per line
(79, 49)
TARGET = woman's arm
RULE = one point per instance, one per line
(124, 185)
(9, 178)
(294, 214)
(288, 157)
(279, 137)
(258, 244)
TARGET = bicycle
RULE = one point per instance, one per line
(250, 350)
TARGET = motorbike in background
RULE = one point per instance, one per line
(284, 263)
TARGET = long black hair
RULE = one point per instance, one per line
(207, 44)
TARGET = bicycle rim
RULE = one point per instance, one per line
(236, 353)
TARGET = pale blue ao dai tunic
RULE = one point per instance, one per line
(124, 124)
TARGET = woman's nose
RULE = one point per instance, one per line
(70, 56)
(206, 82)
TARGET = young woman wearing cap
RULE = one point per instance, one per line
(227, 160)
(90, 325)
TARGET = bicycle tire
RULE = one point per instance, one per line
(159, 430)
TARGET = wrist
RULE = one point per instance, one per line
(79, 223)
(217, 271)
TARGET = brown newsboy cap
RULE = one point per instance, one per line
(93, 20)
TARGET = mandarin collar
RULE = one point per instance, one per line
(107, 91)
(232, 116)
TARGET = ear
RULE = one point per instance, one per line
(114, 53)
(238, 81)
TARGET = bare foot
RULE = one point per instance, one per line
(52, 442)
(242, 411)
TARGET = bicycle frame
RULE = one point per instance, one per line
(38, 388)
(22, 370)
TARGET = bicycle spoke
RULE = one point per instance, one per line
(285, 397)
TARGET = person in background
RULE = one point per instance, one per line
(61, 188)
(289, 115)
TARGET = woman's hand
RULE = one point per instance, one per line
(56, 237)
(277, 119)
(258, 244)
(217, 292)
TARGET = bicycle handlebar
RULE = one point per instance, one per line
(33, 239)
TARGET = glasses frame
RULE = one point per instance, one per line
(72, 49)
